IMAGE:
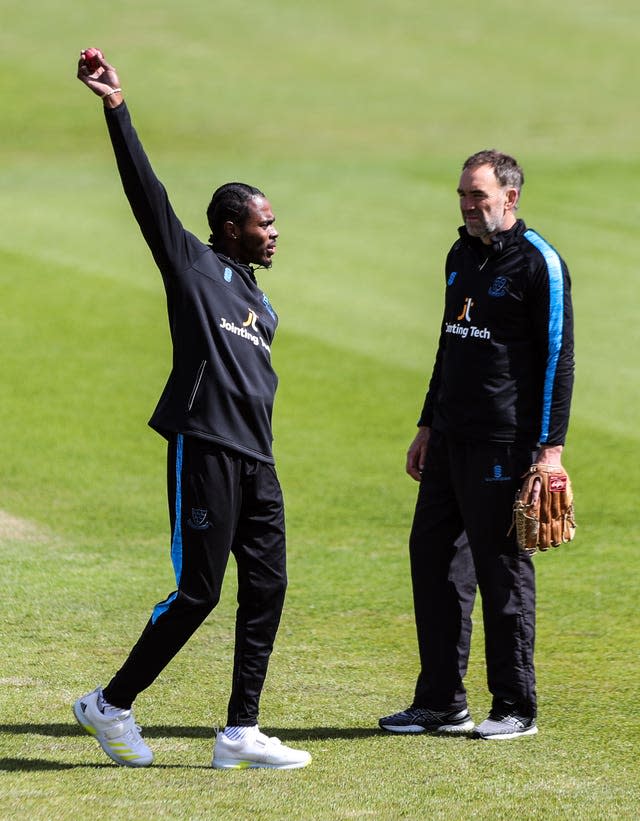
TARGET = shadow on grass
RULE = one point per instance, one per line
(35, 765)
(42, 765)
(161, 731)
(64, 730)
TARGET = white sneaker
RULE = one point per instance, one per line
(501, 725)
(116, 733)
(256, 750)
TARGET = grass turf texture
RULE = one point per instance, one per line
(354, 117)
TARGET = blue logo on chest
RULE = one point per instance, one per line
(452, 277)
(228, 274)
(499, 286)
(267, 305)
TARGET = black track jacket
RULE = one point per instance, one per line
(222, 384)
(504, 366)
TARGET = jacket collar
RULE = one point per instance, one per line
(499, 241)
(245, 271)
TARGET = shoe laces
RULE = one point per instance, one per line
(424, 712)
(133, 732)
(508, 718)
(265, 739)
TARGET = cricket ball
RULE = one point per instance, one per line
(92, 57)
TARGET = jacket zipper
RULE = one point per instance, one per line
(192, 398)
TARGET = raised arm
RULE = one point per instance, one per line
(172, 247)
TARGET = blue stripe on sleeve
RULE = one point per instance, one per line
(556, 320)
(176, 542)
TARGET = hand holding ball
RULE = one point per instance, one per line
(92, 58)
(98, 75)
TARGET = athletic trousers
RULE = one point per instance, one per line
(458, 544)
(220, 502)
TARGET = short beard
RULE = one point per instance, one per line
(484, 230)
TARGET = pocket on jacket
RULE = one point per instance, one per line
(196, 384)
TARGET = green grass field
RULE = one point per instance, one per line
(354, 117)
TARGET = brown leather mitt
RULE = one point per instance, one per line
(543, 511)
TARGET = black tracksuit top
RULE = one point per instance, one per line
(504, 366)
(222, 384)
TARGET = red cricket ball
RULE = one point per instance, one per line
(92, 57)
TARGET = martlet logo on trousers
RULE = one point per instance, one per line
(199, 519)
(465, 329)
(497, 475)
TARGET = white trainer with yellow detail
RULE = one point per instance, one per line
(254, 750)
(115, 731)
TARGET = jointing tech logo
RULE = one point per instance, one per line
(244, 330)
(464, 313)
(251, 321)
(462, 327)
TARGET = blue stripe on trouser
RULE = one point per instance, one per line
(556, 320)
(176, 542)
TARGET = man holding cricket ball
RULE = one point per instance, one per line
(215, 412)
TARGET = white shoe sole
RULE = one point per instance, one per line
(234, 764)
(446, 729)
(508, 736)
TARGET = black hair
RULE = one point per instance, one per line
(229, 202)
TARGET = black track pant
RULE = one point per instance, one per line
(458, 544)
(220, 501)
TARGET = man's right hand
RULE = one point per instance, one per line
(101, 80)
(417, 453)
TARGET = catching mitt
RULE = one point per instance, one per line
(543, 511)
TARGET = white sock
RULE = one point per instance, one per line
(107, 709)
(238, 733)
